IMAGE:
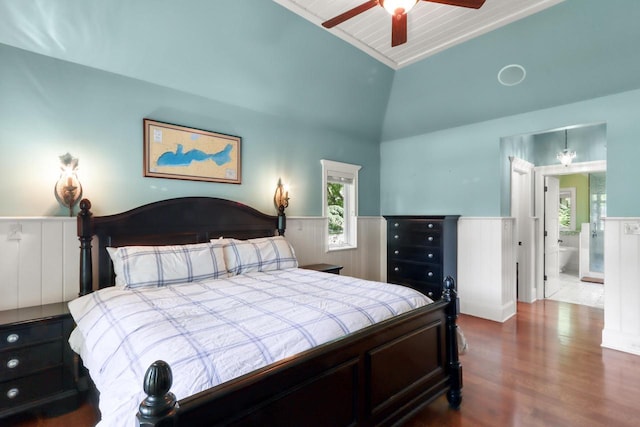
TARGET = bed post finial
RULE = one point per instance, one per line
(450, 294)
(85, 234)
(160, 403)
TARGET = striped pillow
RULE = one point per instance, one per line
(156, 266)
(263, 254)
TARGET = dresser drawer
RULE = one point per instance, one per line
(414, 226)
(415, 253)
(33, 387)
(433, 291)
(428, 273)
(425, 238)
(32, 334)
(22, 361)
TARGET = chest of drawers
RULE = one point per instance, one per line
(422, 251)
(37, 367)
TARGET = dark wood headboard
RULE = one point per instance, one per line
(168, 222)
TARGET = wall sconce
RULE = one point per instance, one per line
(281, 201)
(68, 189)
(566, 156)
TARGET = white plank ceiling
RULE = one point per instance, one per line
(432, 27)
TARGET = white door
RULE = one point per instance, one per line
(551, 235)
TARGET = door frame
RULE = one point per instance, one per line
(522, 211)
(539, 174)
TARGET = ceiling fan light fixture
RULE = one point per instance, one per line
(392, 6)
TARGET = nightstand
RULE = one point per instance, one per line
(37, 366)
(326, 268)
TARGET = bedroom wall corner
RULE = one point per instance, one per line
(622, 285)
(486, 267)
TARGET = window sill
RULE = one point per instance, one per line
(341, 248)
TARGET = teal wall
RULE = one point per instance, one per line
(458, 170)
(541, 148)
(49, 107)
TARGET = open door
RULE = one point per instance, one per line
(551, 235)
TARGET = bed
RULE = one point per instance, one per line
(377, 374)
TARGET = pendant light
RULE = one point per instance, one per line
(566, 156)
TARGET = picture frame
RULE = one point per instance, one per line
(179, 152)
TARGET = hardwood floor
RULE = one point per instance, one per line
(545, 367)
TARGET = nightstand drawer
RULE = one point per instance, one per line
(18, 337)
(23, 361)
(25, 389)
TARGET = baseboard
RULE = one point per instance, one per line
(620, 341)
(488, 312)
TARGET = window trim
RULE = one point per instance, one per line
(569, 193)
(349, 171)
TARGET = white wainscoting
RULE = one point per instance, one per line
(307, 235)
(622, 285)
(38, 261)
(41, 265)
(487, 267)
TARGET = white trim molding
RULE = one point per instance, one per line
(622, 284)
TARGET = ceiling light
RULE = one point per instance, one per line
(392, 6)
(566, 156)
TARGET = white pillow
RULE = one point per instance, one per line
(262, 254)
(155, 266)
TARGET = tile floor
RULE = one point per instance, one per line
(574, 291)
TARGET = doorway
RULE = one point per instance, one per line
(574, 268)
(530, 158)
(548, 282)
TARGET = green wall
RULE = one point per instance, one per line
(49, 107)
(581, 183)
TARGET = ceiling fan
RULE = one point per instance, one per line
(398, 10)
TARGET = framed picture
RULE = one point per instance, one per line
(178, 152)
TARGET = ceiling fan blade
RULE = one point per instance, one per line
(398, 29)
(349, 14)
(473, 4)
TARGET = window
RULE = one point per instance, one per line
(340, 203)
(567, 213)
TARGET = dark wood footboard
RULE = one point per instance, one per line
(378, 376)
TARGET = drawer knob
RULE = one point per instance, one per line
(430, 225)
(396, 237)
(430, 238)
(13, 363)
(13, 393)
(430, 274)
(396, 252)
(396, 269)
(429, 255)
(13, 338)
(396, 225)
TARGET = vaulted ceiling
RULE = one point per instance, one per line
(262, 56)
(432, 27)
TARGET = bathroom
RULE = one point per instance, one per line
(581, 238)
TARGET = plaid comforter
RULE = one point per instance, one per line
(213, 331)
